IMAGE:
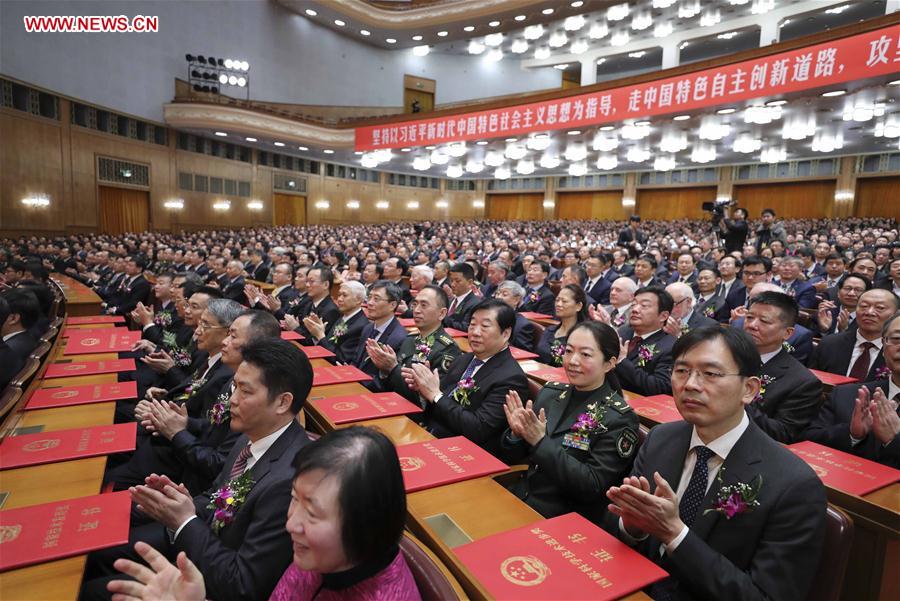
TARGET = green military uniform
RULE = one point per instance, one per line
(442, 350)
(578, 459)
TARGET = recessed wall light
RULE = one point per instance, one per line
(469, 28)
(442, 34)
(221, 133)
(339, 23)
(250, 139)
(390, 40)
(417, 38)
(310, 12)
(278, 143)
(302, 148)
(521, 17)
(834, 93)
(365, 32)
(725, 111)
(681, 118)
(547, 11)
(328, 151)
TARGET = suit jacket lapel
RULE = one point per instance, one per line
(262, 467)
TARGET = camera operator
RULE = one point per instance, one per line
(734, 231)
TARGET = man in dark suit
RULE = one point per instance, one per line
(684, 317)
(468, 400)
(383, 328)
(647, 366)
(837, 312)
(19, 311)
(511, 293)
(496, 275)
(671, 507)
(620, 266)
(318, 289)
(600, 278)
(257, 270)
(284, 292)
(645, 271)
(394, 270)
(862, 418)
(789, 280)
(234, 290)
(538, 296)
(462, 276)
(789, 395)
(755, 270)
(245, 558)
(685, 270)
(710, 300)
(858, 353)
(342, 336)
(133, 289)
(631, 237)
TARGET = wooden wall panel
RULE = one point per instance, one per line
(673, 203)
(878, 197)
(601, 205)
(789, 199)
(123, 210)
(515, 207)
(289, 209)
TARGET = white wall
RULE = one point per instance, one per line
(292, 59)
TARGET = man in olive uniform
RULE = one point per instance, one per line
(431, 343)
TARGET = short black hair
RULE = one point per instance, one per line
(465, 269)
(24, 303)
(579, 273)
(687, 254)
(139, 260)
(710, 267)
(649, 259)
(41, 292)
(166, 274)
(634, 218)
(284, 367)
(836, 257)
(4, 310)
(804, 251)
(664, 300)
(443, 301)
(581, 297)
(371, 497)
(207, 290)
(325, 274)
(739, 343)
(392, 290)
(769, 211)
(263, 325)
(766, 262)
(402, 264)
(506, 316)
(545, 267)
(865, 280)
(785, 303)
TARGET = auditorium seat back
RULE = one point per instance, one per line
(829, 578)
(432, 578)
(26, 374)
(538, 332)
(534, 387)
(41, 350)
(9, 399)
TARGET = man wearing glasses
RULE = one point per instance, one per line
(754, 271)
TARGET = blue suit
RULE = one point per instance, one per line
(801, 340)
(803, 293)
(393, 336)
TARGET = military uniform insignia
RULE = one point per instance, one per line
(626, 443)
(446, 340)
(620, 405)
(446, 361)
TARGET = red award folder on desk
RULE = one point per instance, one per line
(290, 335)
(534, 315)
(89, 319)
(65, 445)
(566, 557)
(659, 408)
(844, 471)
(338, 374)
(88, 368)
(454, 333)
(317, 352)
(50, 531)
(444, 461)
(45, 398)
(407, 322)
(831, 379)
(357, 407)
(550, 374)
(110, 340)
(521, 354)
(67, 332)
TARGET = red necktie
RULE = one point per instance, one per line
(860, 368)
(453, 306)
(240, 464)
(633, 343)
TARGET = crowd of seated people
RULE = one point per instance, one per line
(644, 308)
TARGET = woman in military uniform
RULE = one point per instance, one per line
(579, 438)
(571, 308)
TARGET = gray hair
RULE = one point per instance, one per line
(514, 288)
(191, 277)
(425, 271)
(500, 265)
(224, 311)
(357, 289)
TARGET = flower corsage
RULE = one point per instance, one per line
(557, 351)
(788, 346)
(338, 331)
(737, 498)
(423, 347)
(228, 500)
(883, 373)
(709, 311)
(221, 410)
(764, 381)
(463, 389)
(645, 354)
(181, 356)
(534, 296)
(591, 421)
(194, 386)
(163, 319)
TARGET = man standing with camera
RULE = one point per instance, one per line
(734, 231)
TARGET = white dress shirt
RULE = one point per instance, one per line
(857, 350)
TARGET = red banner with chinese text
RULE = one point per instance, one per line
(857, 57)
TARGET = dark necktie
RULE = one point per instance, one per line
(696, 488)
(860, 368)
(240, 464)
(614, 314)
(473, 365)
(633, 343)
(453, 306)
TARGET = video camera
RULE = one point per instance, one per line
(717, 208)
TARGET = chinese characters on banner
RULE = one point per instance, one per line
(858, 57)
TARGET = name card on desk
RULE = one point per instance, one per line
(843, 471)
(50, 531)
(65, 445)
(91, 319)
(317, 352)
(566, 557)
(45, 398)
(111, 340)
(358, 407)
(290, 335)
(88, 368)
(830, 379)
(521, 354)
(338, 374)
(444, 461)
(659, 408)
(67, 332)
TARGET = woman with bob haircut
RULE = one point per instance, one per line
(346, 517)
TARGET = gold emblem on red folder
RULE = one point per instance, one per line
(524, 570)
(345, 406)
(41, 445)
(64, 394)
(411, 464)
(90, 342)
(10, 533)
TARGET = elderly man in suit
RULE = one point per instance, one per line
(19, 310)
(244, 558)
(538, 296)
(672, 506)
(684, 316)
(342, 337)
(511, 293)
(710, 294)
(468, 400)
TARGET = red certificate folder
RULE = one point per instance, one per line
(831, 379)
(50, 531)
(357, 407)
(844, 471)
(454, 333)
(317, 352)
(534, 315)
(338, 374)
(444, 461)
(521, 354)
(566, 557)
(550, 374)
(407, 322)
(67, 332)
(110, 340)
(44, 398)
(88, 368)
(65, 445)
(290, 335)
(659, 408)
(89, 319)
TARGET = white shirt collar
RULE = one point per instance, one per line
(644, 283)
(722, 445)
(347, 318)
(648, 335)
(460, 299)
(381, 328)
(8, 336)
(278, 290)
(877, 341)
(259, 448)
(893, 389)
(766, 356)
(212, 361)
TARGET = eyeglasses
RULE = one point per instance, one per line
(705, 376)
(203, 326)
(893, 340)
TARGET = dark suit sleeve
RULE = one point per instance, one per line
(199, 457)
(244, 573)
(657, 381)
(807, 298)
(138, 294)
(546, 303)
(523, 336)
(785, 558)
(827, 428)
